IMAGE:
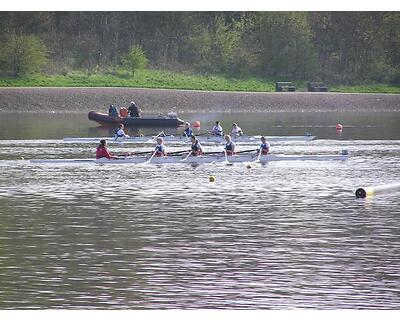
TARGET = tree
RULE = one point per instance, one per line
(23, 55)
(135, 59)
(283, 44)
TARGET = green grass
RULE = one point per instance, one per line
(170, 80)
(371, 88)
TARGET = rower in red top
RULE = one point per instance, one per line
(102, 151)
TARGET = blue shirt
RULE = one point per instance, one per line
(188, 132)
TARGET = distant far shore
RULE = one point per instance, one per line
(156, 101)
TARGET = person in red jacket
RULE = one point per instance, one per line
(102, 151)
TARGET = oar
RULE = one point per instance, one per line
(127, 154)
(132, 154)
(212, 153)
(202, 134)
(178, 152)
(152, 156)
(152, 138)
(247, 151)
(226, 159)
(259, 155)
(189, 154)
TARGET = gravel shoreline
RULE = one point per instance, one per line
(153, 101)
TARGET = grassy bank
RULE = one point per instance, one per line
(169, 80)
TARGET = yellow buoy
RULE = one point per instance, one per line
(22, 158)
(248, 166)
(212, 179)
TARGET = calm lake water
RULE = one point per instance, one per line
(284, 235)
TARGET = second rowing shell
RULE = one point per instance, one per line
(182, 139)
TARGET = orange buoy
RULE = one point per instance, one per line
(196, 124)
(339, 126)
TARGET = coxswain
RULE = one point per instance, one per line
(196, 148)
(160, 150)
(134, 111)
(217, 129)
(188, 131)
(229, 146)
(120, 133)
(236, 130)
(264, 146)
(102, 151)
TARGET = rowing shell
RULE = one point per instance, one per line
(200, 159)
(183, 139)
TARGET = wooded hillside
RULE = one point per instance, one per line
(338, 47)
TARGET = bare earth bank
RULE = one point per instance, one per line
(162, 100)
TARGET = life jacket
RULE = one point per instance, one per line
(123, 112)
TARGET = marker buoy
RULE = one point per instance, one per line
(339, 127)
(248, 166)
(22, 158)
(211, 179)
(371, 191)
(196, 124)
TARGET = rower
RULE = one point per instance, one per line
(188, 131)
(236, 130)
(217, 129)
(160, 150)
(229, 146)
(264, 146)
(120, 133)
(195, 148)
(102, 151)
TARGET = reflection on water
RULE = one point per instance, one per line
(276, 236)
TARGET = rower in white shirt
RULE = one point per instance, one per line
(217, 129)
(236, 131)
(120, 133)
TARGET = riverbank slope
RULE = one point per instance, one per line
(154, 101)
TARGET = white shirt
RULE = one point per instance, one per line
(237, 131)
(121, 133)
(217, 130)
